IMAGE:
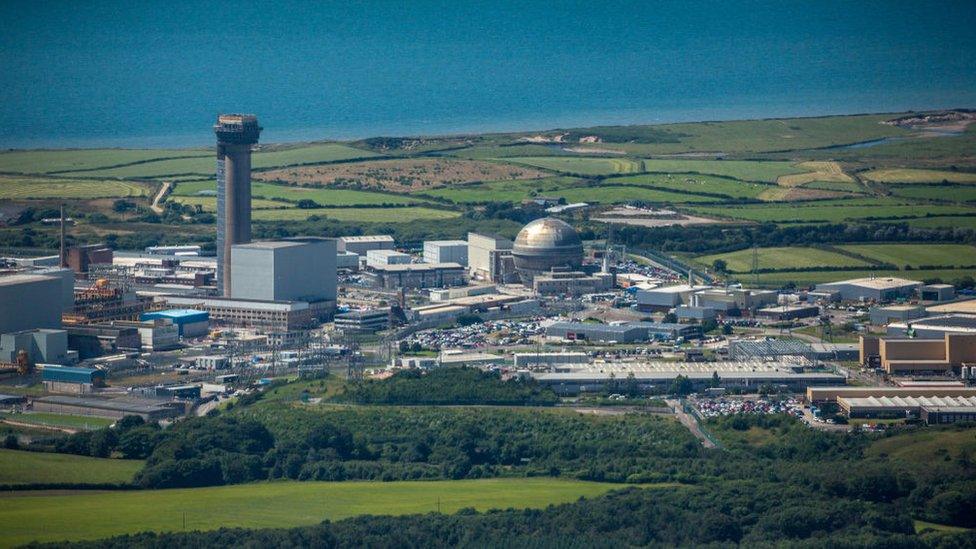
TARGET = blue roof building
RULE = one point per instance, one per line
(190, 322)
(72, 374)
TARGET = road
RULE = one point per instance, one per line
(690, 423)
(160, 196)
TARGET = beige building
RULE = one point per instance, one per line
(901, 356)
(832, 394)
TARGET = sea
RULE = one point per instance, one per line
(156, 73)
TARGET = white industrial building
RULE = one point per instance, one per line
(490, 257)
(666, 297)
(362, 244)
(446, 251)
(381, 258)
(872, 288)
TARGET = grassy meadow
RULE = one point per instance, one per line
(17, 467)
(46, 518)
(365, 215)
(32, 187)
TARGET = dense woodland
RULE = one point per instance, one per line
(449, 386)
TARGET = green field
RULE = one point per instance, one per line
(782, 258)
(833, 211)
(804, 278)
(267, 505)
(751, 136)
(17, 467)
(915, 255)
(951, 193)
(905, 175)
(25, 187)
(694, 184)
(206, 165)
(60, 420)
(580, 165)
(209, 203)
(322, 196)
(365, 215)
(746, 170)
(843, 186)
(968, 222)
(605, 194)
(48, 161)
(500, 191)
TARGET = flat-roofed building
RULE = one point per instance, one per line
(550, 360)
(788, 312)
(417, 275)
(490, 257)
(882, 316)
(572, 283)
(30, 301)
(382, 258)
(262, 315)
(347, 261)
(362, 244)
(446, 251)
(937, 292)
(731, 300)
(363, 322)
(657, 376)
(111, 408)
(630, 332)
(189, 322)
(902, 356)
(289, 269)
(41, 346)
(934, 327)
(71, 379)
(873, 288)
(666, 297)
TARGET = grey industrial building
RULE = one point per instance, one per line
(111, 408)
(666, 297)
(290, 269)
(43, 346)
(631, 332)
(937, 292)
(348, 261)
(573, 283)
(881, 316)
(789, 312)
(872, 288)
(30, 301)
(935, 327)
(363, 322)
(490, 257)
(446, 251)
(417, 275)
(656, 377)
(266, 316)
(70, 379)
(362, 244)
(382, 258)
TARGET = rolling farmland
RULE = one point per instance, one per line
(364, 215)
(17, 467)
(26, 187)
(782, 258)
(267, 505)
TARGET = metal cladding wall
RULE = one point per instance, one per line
(30, 301)
(301, 269)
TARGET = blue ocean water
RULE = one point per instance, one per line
(154, 73)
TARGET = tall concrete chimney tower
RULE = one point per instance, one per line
(236, 134)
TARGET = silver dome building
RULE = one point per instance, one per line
(545, 244)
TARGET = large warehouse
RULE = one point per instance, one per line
(290, 269)
(873, 289)
(915, 355)
(656, 377)
(42, 293)
(630, 332)
(903, 406)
